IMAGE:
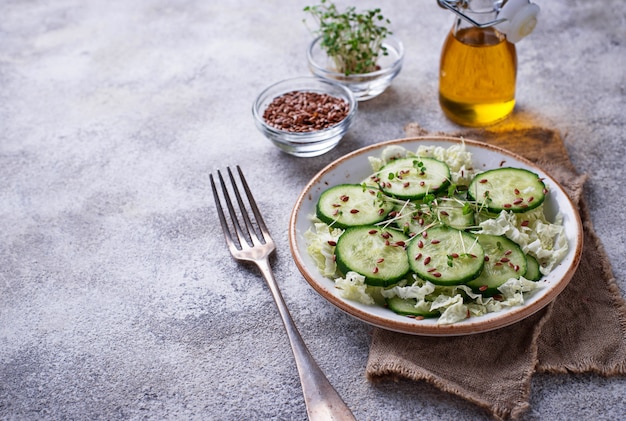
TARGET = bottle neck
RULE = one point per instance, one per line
(468, 33)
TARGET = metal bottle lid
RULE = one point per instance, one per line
(514, 18)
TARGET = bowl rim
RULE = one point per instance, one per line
(389, 41)
(317, 81)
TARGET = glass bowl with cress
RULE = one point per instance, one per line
(356, 49)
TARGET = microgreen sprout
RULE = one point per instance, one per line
(430, 200)
(420, 167)
(451, 190)
(450, 259)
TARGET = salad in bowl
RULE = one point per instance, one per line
(436, 236)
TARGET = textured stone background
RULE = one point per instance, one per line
(118, 298)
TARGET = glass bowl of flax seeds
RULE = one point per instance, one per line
(305, 116)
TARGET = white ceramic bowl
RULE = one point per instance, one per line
(366, 85)
(304, 144)
(354, 167)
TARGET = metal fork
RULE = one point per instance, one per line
(254, 244)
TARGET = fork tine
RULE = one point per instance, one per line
(265, 234)
(220, 212)
(241, 237)
(252, 232)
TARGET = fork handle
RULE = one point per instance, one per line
(322, 400)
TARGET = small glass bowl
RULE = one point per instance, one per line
(304, 144)
(364, 85)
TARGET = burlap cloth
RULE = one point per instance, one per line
(583, 330)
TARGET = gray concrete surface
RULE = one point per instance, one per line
(118, 298)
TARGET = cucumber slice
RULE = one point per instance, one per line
(347, 205)
(407, 307)
(446, 256)
(532, 269)
(504, 260)
(413, 178)
(452, 213)
(512, 189)
(374, 252)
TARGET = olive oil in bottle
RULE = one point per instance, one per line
(477, 76)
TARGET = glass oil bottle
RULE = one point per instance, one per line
(478, 66)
